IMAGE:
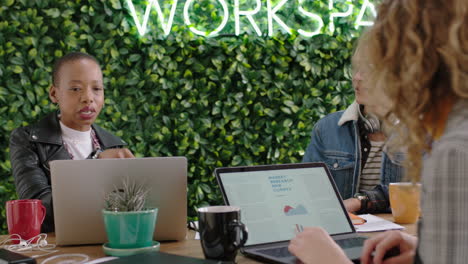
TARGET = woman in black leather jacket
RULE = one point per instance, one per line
(77, 88)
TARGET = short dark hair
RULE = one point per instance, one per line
(72, 56)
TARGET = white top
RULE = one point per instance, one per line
(79, 143)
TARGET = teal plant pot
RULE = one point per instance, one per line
(130, 229)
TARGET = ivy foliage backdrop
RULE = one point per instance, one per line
(221, 101)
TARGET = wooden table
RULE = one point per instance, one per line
(189, 247)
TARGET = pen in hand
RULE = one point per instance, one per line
(299, 228)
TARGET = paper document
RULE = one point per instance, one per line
(375, 224)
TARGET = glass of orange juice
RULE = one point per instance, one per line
(404, 201)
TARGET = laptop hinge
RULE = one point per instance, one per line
(344, 236)
(269, 245)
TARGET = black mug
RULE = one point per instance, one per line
(221, 232)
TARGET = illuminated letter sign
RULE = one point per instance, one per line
(142, 27)
(166, 27)
(365, 5)
(248, 14)
(314, 17)
(203, 33)
(348, 12)
(271, 13)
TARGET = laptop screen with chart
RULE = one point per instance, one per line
(275, 199)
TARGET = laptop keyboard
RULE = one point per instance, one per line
(280, 252)
(351, 242)
(283, 252)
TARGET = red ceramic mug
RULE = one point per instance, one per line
(25, 217)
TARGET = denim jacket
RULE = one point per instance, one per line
(335, 140)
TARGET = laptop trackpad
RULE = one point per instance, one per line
(353, 253)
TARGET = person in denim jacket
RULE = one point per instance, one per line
(351, 143)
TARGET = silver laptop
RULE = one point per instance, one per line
(276, 199)
(78, 188)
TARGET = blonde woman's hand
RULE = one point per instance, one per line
(314, 245)
(382, 243)
(116, 153)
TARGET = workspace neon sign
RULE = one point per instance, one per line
(273, 20)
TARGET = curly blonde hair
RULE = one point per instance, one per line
(416, 56)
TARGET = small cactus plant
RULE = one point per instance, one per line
(131, 197)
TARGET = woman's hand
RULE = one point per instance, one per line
(314, 245)
(116, 153)
(382, 243)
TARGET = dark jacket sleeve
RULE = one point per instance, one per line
(31, 179)
(378, 200)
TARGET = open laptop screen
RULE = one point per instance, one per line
(273, 201)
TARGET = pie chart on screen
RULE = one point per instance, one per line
(290, 211)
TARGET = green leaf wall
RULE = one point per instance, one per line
(220, 101)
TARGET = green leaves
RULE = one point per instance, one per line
(17, 69)
(53, 12)
(116, 4)
(223, 101)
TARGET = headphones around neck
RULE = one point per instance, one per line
(371, 122)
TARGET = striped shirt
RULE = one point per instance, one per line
(443, 229)
(371, 173)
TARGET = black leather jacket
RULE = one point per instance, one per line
(31, 149)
